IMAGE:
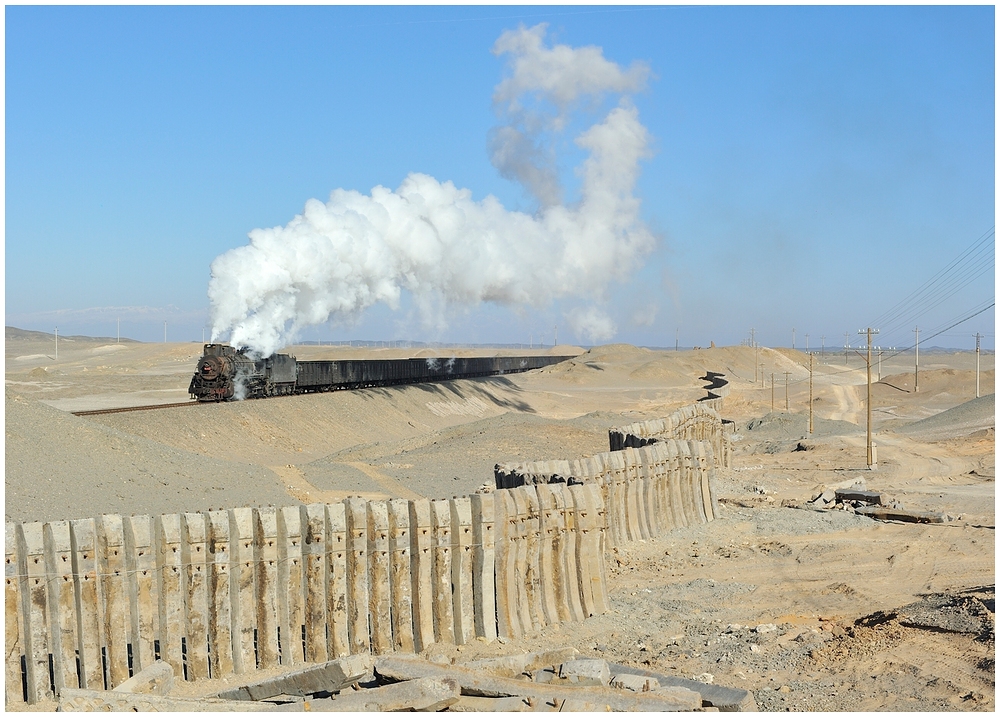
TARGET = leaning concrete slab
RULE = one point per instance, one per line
(157, 679)
(419, 695)
(331, 676)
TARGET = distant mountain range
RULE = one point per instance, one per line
(12, 333)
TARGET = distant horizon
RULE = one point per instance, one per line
(374, 343)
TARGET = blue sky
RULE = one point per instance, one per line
(811, 166)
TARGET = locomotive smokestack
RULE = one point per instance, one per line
(448, 250)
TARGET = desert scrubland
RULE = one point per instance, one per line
(866, 615)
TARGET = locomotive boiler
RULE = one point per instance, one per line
(225, 373)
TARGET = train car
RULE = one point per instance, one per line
(225, 373)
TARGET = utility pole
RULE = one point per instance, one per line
(793, 338)
(810, 394)
(555, 336)
(677, 339)
(57, 343)
(772, 392)
(755, 357)
(916, 358)
(879, 363)
(822, 350)
(977, 364)
(786, 389)
(847, 345)
(807, 343)
(871, 446)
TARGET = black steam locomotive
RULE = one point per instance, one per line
(225, 373)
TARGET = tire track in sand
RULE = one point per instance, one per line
(296, 485)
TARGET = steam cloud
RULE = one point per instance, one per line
(448, 250)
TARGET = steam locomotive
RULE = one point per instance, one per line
(226, 373)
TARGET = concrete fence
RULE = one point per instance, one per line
(647, 491)
(697, 421)
(90, 602)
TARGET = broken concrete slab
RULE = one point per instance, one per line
(490, 704)
(330, 676)
(900, 514)
(726, 699)
(586, 671)
(869, 497)
(514, 665)
(635, 683)
(74, 700)
(420, 695)
(475, 683)
(572, 705)
(157, 679)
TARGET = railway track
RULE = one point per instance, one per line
(134, 408)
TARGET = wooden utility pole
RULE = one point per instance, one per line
(977, 364)
(916, 358)
(810, 394)
(871, 448)
(786, 389)
(772, 392)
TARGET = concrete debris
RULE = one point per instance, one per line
(157, 679)
(635, 683)
(726, 699)
(73, 700)
(867, 497)
(328, 677)
(420, 695)
(585, 672)
(476, 683)
(906, 516)
(706, 677)
(490, 704)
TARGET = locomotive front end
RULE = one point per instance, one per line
(220, 373)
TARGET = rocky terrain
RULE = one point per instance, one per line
(809, 607)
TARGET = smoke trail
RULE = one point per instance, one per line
(448, 250)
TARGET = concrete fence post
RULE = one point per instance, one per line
(461, 569)
(34, 601)
(484, 590)
(379, 589)
(83, 537)
(291, 595)
(339, 644)
(193, 556)
(400, 579)
(266, 561)
(444, 616)
(421, 569)
(242, 586)
(220, 606)
(314, 565)
(357, 575)
(62, 604)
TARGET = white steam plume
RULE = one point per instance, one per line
(591, 323)
(435, 241)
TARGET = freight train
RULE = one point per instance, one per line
(226, 373)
